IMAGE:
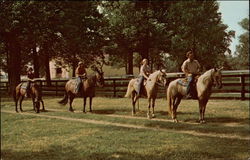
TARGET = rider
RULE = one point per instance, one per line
(144, 73)
(80, 74)
(191, 68)
(30, 76)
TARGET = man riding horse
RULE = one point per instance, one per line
(191, 68)
(81, 74)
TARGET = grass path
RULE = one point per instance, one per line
(101, 122)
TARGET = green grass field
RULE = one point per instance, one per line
(110, 132)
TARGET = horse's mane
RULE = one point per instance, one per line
(207, 75)
(154, 74)
(91, 78)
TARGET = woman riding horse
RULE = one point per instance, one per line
(150, 89)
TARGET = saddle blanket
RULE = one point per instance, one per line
(183, 82)
(24, 85)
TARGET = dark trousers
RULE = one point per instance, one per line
(78, 84)
(189, 84)
(140, 84)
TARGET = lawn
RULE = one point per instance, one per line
(110, 132)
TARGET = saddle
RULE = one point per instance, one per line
(184, 81)
(24, 85)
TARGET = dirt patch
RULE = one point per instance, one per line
(194, 133)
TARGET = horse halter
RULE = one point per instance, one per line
(100, 79)
(162, 80)
(216, 78)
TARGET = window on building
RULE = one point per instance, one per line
(58, 70)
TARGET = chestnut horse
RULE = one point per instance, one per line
(149, 90)
(35, 93)
(176, 91)
(87, 89)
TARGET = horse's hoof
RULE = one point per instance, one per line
(84, 112)
(153, 116)
(133, 113)
(149, 116)
(17, 111)
(175, 121)
(71, 110)
(202, 121)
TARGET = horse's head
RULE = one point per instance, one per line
(217, 77)
(162, 77)
(100, 78)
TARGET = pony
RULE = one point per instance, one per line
(87, 89)
(35, 93)
(176, 91)
(149, 90)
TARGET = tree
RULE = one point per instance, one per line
(242, 49)
(198, 26)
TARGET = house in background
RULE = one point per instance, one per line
(59, 70)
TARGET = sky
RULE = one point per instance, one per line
(232, 13)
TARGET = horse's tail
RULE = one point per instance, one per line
(169, 99)
(129, 89)
(64, 101)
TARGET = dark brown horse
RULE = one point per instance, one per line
(87, 89)
(35, 94)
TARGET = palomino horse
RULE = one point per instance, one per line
(176, 91)
(150, 90)
(87, 89)
(35, 93)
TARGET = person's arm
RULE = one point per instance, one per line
(77, 72)
(198, 67)
(184, 68)
(144, 73)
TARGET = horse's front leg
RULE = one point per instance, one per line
(134, 99)
(43, 105)
(149, 105)
(90, 104)
(153, 108)
(84, 104)
(20, 103)
(202, 108)
(71, 98)
(16, 102)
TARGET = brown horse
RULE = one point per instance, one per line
(176, 91)
(150, 90)
(35, 93)
(87, 89)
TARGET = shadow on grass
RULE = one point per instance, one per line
(222, 120)
(108, 111)
(69, 153)
(211, 128)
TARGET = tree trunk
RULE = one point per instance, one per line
(35, 62)
(14, 61)
(130, 63)
(47, 70)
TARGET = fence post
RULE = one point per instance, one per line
(56, 89)
(242, 79)
(114, 88)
